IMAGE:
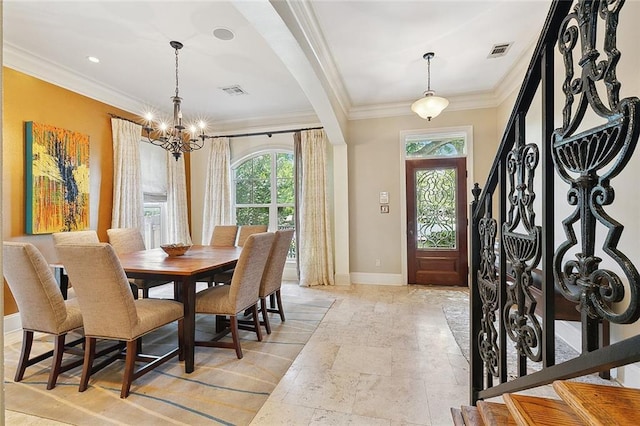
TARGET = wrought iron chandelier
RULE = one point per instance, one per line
(430, 105)
(176, 139)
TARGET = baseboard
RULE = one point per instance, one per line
(12, 323)
(342, 279)
(376, 279)
(571, 333)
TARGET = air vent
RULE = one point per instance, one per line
(234, 90)
(499, 50)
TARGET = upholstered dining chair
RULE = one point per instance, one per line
(224, 236)
(110, 312)
(244, 232)
(272, 277)
(75, 237)
(242, 294)
(126, 240)
(41, 306)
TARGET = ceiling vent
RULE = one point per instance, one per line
(234, 90)
(499, 50)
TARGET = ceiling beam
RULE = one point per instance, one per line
(278, 25)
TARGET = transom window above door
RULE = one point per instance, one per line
(419, 146)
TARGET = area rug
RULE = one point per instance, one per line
(456, 312)
(222, 389)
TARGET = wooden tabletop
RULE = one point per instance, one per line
(195, 261)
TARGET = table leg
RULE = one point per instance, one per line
(189, 302)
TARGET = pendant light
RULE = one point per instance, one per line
(430, 105)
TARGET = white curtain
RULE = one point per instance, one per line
(217, 195)
(315, 256)
(177, 213)
(128, 210)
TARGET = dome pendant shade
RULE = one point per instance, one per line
(430, 106)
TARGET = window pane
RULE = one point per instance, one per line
(285, 191)
(284, 165)
(252, 215)
(435, 147)
(261, 191)
(284, 173)
(285, 218)
(244, 192)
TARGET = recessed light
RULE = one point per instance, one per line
(93, 59)
(224, 34)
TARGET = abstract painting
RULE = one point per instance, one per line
(57, 179)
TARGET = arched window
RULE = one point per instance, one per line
(264, 191)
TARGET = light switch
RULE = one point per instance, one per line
(384, 197)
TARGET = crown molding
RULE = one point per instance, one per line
(456, 103)
(55, 73)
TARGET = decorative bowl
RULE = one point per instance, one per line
(176, 249)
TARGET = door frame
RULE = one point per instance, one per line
(464, 131)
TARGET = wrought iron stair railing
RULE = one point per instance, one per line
(503, 311)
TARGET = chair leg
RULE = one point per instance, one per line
(56, 362)
(265, 317)
(89, 355)
(256, 321)
(280, 308)
(129, 367)
(181, 339)
(27, 342)
(145, 292)
(234, 334)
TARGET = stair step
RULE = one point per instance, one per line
(533, 410)
(471, 416)
(494, 413)
(456, 413)
(601, 404)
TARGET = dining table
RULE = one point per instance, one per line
(199, 262)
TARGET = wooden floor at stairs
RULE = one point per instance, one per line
(579, 404)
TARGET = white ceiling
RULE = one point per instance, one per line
(298, 61)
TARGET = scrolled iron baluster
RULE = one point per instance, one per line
(488, 290)
(580, 158)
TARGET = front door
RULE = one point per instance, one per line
(437, 221)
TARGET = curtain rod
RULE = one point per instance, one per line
(241, 135)
(274, 132)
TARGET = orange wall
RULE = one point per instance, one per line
(30, 99)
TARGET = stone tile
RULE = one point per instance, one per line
(335, 418)
(363, 359)
(328, 390)
(394, 398)
(279, 413)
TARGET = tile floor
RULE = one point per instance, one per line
(383, 355)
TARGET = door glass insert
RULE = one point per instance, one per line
(436, 208)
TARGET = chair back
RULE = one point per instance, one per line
(125, 240)
(34, 288)
(245, 284)
(272, 277)
(224, 236)
(75, 237)
(102, 289)
(245, 230)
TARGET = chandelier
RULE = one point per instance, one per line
(176, 138)
(430, 105)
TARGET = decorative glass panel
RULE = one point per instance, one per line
(436, 208)
(448, 147)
